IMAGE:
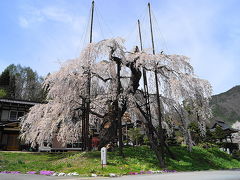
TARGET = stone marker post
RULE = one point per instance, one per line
(104, 156)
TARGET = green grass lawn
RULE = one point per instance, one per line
(136, 159)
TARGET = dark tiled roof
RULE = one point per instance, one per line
(223, 126)
(18, 101)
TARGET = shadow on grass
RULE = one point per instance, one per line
(199, 159)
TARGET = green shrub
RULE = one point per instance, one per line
(236, 154)
(207, 145)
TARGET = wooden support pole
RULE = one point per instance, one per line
(140, 35)
(91, 28)
(151, 28)
(161, 140)
(83, 125)
(119, 119)
(146, 94)
(87, 140)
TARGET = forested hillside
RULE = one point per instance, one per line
(226, 106)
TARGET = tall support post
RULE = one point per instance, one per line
(162, 143)
(91, 28)
(83, 124)
(140, 35)
(119, 119)
(146, 94)
(150, 20)
(87, 139)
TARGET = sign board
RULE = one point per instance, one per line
(103, 156)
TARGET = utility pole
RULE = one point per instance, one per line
(88, 91)
(162, 144)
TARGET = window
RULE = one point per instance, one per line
(4, 115)
(20, 114)
(4, 139)
(14, 115)
(75, 145)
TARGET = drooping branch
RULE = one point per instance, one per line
(98, 76)
(97, 114)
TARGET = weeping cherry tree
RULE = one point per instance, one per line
(116, 89)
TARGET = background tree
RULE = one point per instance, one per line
(4, 83)
(22, 83)
(3, 93)
(135, 135)
(116, 88)
(5, 78)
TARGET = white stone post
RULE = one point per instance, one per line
(104, 156)
(228, 151)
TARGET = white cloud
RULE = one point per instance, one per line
(51, 43)
(192, 29)
(23, 22)
(188, 27)
(32, 15)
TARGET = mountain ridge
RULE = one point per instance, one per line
(226, 106)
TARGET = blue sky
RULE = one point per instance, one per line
(43, 33)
